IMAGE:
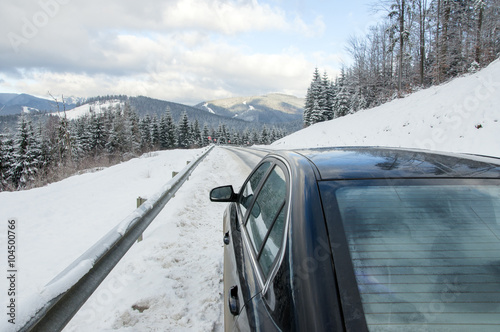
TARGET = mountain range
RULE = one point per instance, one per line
(12, 103)
(278, 110)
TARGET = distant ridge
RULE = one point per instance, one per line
(11, 103)
(272, 108)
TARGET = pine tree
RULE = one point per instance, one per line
(325, 99)
(343, 105)
(155, 133)
(184, 131)
(196, 133)
(308, 108)
(163, 133)
(4, 163)
(26, 155)
(255, 139)
(171, 133)
(132, 131)
(264, 136)
(342, 100)
(81, 137)
(145, 132)
(205, 135)
(8, 162)
(97, 133)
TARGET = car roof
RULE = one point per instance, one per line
(379, 162)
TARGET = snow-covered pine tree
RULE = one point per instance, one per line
(4, 163)
(131, 121)
(308, 107)
(155, 133)
(184, 131)
(319, 102)
(98, 137)
(196, 134)
(255, 139)
(222, 135)
(8, 161)
(343, 105)
(171, 130)
(332, 91)
(245, 138)
(205, 135)
(46, 148)
(325, 99)
(26, 155)
(81, 138)
(342, 100)
(163, 133)
(145, 131)
(264, 136)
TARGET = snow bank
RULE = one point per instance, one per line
(59, 222)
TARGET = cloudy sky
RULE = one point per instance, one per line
(185, 51)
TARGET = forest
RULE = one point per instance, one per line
(419, 43)
(42, 152)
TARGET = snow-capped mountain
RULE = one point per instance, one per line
(270, 108)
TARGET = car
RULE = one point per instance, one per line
(363, 239)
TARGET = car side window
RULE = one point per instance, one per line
(267, 218)
(250, 187)
(273, 243)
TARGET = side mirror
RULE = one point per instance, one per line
(223, 194)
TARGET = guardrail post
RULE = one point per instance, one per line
(140, 201)
(174, 173)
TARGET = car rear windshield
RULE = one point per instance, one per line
(425, 258)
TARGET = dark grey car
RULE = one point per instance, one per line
(356, 239)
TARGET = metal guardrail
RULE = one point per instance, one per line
(69, 290)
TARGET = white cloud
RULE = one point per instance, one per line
(173, 72)
(316, 29)
(182, 50)
(227, 17)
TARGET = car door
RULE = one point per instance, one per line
(239, 277)
(262, 208)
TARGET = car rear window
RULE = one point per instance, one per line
(426, 258)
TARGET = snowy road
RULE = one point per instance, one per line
(172, 281)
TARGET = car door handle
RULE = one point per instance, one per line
(226, 238)
(234, 303)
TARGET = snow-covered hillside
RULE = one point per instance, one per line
(460, 116)
(97, 107)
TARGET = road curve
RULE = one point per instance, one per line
(250, 157)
